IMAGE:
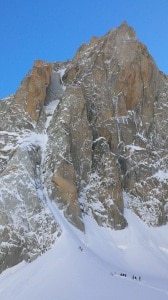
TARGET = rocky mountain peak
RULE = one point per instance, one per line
(87, 136)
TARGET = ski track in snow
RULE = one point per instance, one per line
(67, 272)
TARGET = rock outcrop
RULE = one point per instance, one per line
(89, 135)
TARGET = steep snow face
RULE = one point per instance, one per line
(90, 265)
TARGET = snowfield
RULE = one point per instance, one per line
(89, 266)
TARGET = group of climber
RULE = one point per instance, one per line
(125, 275)
(136, 277)
(133, 276)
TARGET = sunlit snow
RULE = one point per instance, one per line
(89, 266)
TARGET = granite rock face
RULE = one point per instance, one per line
(87, 136)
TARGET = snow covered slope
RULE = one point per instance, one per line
(89, 266)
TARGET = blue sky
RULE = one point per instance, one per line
(53, 30)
